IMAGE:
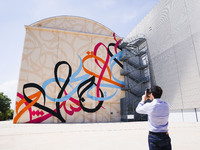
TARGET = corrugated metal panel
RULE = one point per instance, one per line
(173, 35)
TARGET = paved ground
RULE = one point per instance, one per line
(96, 136)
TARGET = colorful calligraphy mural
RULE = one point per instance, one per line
(69, 76)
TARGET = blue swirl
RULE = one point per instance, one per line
(117, 56)
(105, 93)
(73, 78)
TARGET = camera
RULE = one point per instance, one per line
(148, 92)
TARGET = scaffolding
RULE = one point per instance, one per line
(136, 75)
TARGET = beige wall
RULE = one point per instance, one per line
(70, 41)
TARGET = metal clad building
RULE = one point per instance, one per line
(172, 30)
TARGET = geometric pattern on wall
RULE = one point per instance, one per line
(173, 34)
(69, 73)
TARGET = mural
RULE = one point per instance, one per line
(69, 76)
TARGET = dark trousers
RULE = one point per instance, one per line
(159, 141)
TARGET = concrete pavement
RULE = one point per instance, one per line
(94, 136)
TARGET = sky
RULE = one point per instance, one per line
(121, 16)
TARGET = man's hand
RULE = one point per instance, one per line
(144, 98)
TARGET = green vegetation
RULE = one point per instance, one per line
(5, 111)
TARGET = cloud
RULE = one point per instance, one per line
(9, 88)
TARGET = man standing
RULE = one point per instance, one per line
(158, 114)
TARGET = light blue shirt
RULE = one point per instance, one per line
(158, 114)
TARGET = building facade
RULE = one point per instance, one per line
(172, 30)
(69, 73)
(76, 70)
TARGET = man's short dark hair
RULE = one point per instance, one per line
(156, 91)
